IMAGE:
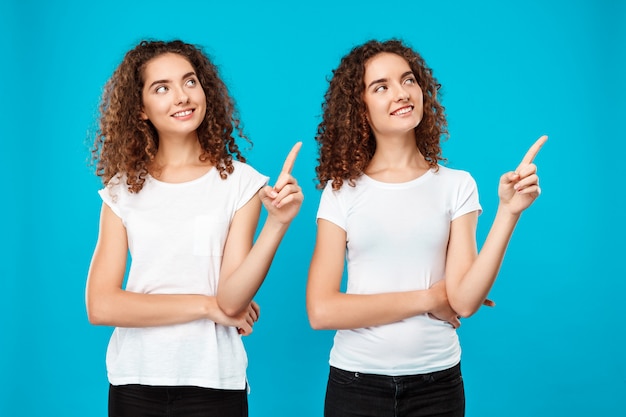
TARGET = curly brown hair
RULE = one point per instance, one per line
(345, 140)
(126, 144)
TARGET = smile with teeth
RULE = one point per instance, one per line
(403, 110)
(183, 113)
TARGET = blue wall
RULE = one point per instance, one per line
(554, 344)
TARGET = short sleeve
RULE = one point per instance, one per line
(111, 193)
(250, 182)
(467, 197)
(330, 207)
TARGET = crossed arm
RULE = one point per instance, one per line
(244, 267)
(469, 275)
(329, 308)
(110, 305)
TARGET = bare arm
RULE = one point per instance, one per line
(108, 304)
(469, 275)
(329, 308)
(244, 265)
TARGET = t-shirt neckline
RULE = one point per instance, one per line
(189, 182)
(398, 185)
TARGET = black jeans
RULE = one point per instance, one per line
(353, 394)
(154, 401)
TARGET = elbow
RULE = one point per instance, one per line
(467, 313)
(316, 323)
(464, 310)
(101, 310)
(96, 315)
(229, 308)
(95, 320)
(231, 311)
(318, 317)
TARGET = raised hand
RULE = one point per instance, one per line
(519, 189)
(283, 201)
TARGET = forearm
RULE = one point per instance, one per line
(468, 293)
(351, 311)
(517, 191)
(122, 308)
(236, 291)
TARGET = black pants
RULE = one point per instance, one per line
(153, 401)
(353, 394)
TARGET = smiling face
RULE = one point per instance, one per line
(392, 96)
(173, 99)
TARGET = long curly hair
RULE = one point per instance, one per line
(344, 137)
(126, 144)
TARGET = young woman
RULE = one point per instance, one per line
(406, 227)
(181, 199)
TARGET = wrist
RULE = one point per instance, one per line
(209, 307)
(505, 214)
(426, 301)
(275, 225)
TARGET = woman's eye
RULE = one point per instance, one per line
(191, 83)
(380, 88)
(160, 89)
(410, 81)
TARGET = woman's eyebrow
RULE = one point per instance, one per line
(384, 80)
(189, 74)
(380, 80)
(159, 82)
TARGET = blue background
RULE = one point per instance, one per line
(511, 71)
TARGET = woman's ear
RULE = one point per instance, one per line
(142, 115)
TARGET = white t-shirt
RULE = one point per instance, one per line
(176, 236)
(397, 237)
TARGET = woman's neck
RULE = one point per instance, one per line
(397, 160)
(178, 160)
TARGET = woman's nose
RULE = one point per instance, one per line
(182, 97)
(402, 94)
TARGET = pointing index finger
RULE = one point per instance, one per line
(291, 158)
(532, 152)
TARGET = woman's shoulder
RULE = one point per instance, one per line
(446, 170)
(243, 169)
(452, 173)
(241, 165)
(348, 191)
(118, 181)
(454, 177)
(115, 189)
(347, 186)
